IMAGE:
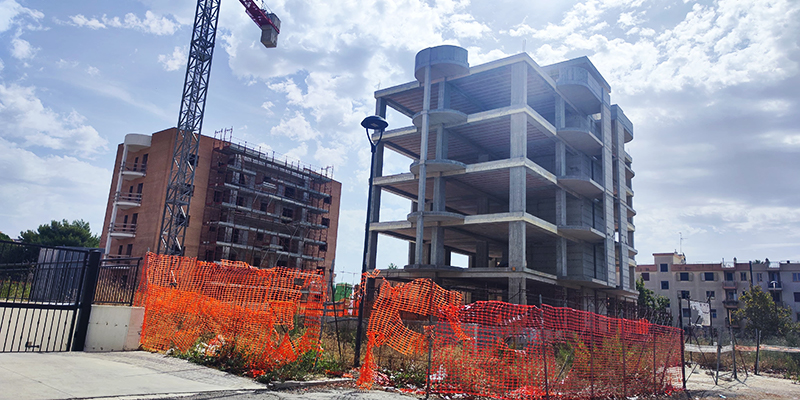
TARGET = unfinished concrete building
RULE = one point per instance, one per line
(249, 205)
(520, 167)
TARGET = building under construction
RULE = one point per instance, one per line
(519, 167)
(249, 205)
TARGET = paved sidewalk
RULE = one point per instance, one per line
(34, 376)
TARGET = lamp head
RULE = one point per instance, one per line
(374, 122)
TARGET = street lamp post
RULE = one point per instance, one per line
(374, 123)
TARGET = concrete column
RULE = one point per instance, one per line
(481, 254)
(608, 196)
(423, 157)
(622, 213)
(375, 208)
(517, 291)
(439, 196)
(560, 117)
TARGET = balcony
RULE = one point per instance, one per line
(133, 171)
(582, 138)
(731, 303)
(128, 200)
(580, 87)
(729, 284)
(774, 286)
(122, 231)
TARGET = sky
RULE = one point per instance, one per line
(712, 88)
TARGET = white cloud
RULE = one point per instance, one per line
(10, 10)
(92, 71)
(296, 128)
(93, 23)
(176, 60)
(151, 23)
(28, 122)
(22, 49)
(35, 190)
(465, 26)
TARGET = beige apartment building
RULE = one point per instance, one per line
(247, 205)
(720, 284)
(519, 167)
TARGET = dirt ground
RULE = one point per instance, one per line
(700, 386)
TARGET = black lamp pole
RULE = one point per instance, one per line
(374, 123)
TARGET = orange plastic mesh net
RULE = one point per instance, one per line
(509, 351)
(272, 315)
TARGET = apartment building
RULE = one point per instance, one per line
(519, 167)
(247, 205)
(720, 284)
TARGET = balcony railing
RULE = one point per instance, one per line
(128, 198)
(731, 303)
(728, 284)
(774, 285)
(122, 229)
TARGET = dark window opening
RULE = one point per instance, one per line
(281, 263)
(684, 276)
(217, 196)
(240, 201)
(729, 276)
(743, 276)
(664, 285)
(259, 236)
(135, 219)
(708, 276)
(264, 205)
(685, 294)
(235, 236)
(119, 252)
(256, 261)
(136, 164)
(289, 192)
(192, 159)
(288, 213)
(326, 222)
(144, 162)
(323, 247)
(242, 179)
(139, 188)
(327, 200)
(284, 243)
(209, 255)
(129, 250)
(645, 276)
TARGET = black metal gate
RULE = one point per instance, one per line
(45, 296)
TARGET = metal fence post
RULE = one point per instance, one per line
(758, 348)
(624, 356)
(87, 297)
(683, 361)
(655, 388)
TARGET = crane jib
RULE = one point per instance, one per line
(257, 15)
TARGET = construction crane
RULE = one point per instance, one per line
(175, 218)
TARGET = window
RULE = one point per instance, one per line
(256, 261)
(685, 294)
(288, 213)
(664, 268)
(259, 236)
(743, 276)
(326, 222)
(708, 276)
(664, 285)
(134, 219)
(139, 188)
(774, 276)
(797, 297)
(645, 276)
(710, 294)
(713, 313)
(217, 198)
(235, 236)
(240, 201)
(144, 162)
(119, 252)
(730, 295)
(759, 277)
(264, 205)
(683, 276)
(289, 192)
(795, 276)
(129, 250)
(326, 200)
(729, 276)
(135, 163)
(323, 247)
(687, 313)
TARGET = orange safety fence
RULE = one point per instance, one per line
(271, 315)
(507, 351)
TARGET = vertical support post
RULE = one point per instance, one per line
(733, 351)
(758, 349)
(719, 351)
(546, 378)
(683, 361)
(591, 354)
(624, 354)
(655, 387)
(88, 287)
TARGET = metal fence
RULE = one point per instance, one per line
(117, 281)
(45, 296)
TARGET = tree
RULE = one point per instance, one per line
(5, 237)
(652, 305)
(64, 233)
(759, 312)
